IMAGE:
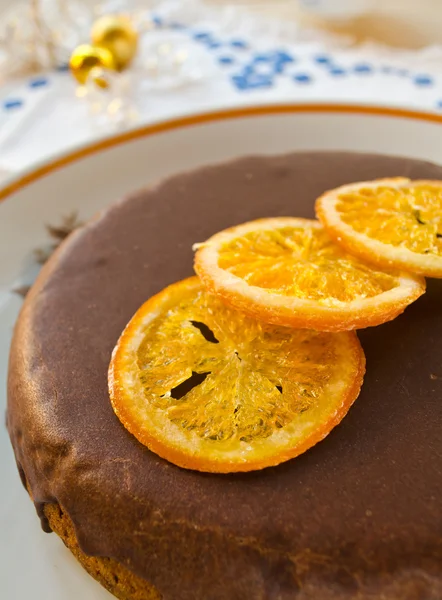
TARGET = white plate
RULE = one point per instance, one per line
(35, 565)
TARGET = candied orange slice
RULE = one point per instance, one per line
(289, 272)
(209, 389)
(392, 223)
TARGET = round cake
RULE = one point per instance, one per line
(358, 516)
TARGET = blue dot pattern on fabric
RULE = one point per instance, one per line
(38, 82)
(423, 80)
(206, 38)
(302, 78)
(322, 59)
(240, 44)
(276, 60)
(226, 60)
(337, 71)
(363, 68)
(12, 103)
(260, 71)
(202, 36)
(254, 69)
(252, 81)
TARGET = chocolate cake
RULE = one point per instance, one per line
(359, 516)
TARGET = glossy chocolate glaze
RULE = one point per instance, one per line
(359, 513)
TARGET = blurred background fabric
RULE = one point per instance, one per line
(196, 55)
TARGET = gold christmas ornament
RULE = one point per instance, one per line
(87, 57)
(118, 35)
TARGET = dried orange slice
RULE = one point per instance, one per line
(288, 271)
(393, 223)
(210, 389)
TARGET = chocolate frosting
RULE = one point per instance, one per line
(360, 513)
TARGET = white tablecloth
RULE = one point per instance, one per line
(246, 61)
